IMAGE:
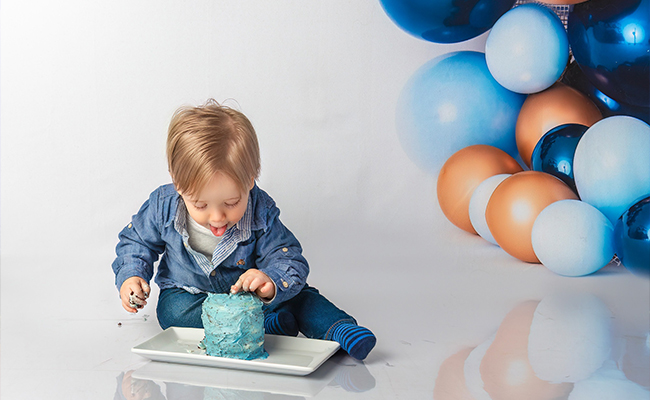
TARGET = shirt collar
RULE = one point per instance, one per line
(245, 223)
(180, 221)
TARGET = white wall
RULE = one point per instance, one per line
(88, 89)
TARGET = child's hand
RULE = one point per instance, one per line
(256, 281)
(134, 293)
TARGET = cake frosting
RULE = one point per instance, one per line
(234, 326)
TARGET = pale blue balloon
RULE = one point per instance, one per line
(452, 102)
(573, 238)
(611, 165)
(478, 204)
(527, 49)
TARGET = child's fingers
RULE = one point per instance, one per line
(134, 296)
(134, 293)
(140, 291)
(247, 281)
(254, 284)
(244, 281)
(131, 303)
(250, 281)
(266, 290)
(127, 306)
(237, 286)
(136, 301)
(146, 289)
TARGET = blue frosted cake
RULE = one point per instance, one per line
(234, 326)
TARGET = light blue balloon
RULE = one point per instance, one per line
(452, 102)
(527, 49)
(611, 165)
(573, 238)
(478, 204)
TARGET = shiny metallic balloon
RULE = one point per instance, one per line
(554, 152)
(562, 1)
(610, 41)
(632, 238)
(445, 21)
(574, 77)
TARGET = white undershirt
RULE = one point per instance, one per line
(201, 238)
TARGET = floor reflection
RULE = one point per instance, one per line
(158, 380)
(566, 346)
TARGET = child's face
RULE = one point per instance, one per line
(219, 205)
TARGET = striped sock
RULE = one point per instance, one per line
(280, 323)
(355, 339)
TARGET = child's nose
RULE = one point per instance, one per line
(217, 216)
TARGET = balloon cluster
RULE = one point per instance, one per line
(548, 159)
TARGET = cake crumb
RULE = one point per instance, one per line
(119, 324)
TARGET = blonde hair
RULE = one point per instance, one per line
(211, 138)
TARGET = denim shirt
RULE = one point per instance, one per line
(259, 240)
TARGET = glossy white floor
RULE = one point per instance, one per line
(88, 89)
(466, 323)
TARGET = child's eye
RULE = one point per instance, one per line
(200, 206)
(231, 205)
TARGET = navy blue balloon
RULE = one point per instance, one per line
(446, 21)
(554, 152)
(610, 41)
(632, 238)
(574, 77)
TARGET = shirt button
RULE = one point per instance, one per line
(130, 226)
(285, 284)
(284, 249)
(213, 273)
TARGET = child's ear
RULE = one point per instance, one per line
(252, 184)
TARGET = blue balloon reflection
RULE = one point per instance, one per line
(568, 345)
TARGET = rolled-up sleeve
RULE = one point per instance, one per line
(140, 244)
(280, 257)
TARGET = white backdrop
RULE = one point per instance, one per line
(88, 89)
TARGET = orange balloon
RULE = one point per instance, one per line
(463, 172)
(505, 368)
(514, 206)
(543, 111)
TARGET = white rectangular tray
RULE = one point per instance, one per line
(287, 354)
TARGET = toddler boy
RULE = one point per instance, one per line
(218, 232)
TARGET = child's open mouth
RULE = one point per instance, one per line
(218, 231)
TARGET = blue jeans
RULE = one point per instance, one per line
(316, 316)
